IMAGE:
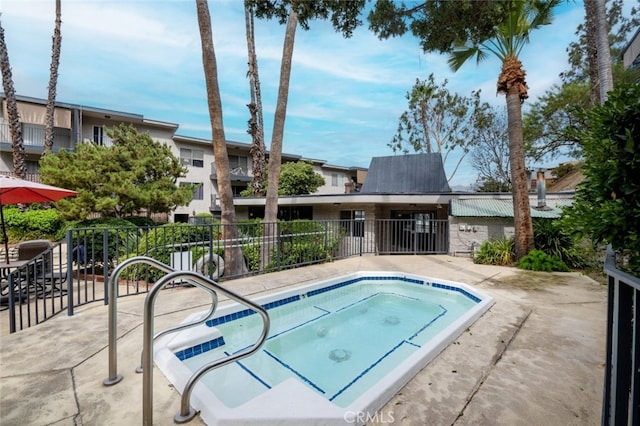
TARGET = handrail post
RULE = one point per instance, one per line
(186, 413)
(112, 290)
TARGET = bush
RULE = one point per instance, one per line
(141, 221)
(122, 237)
(537, 260)
(303, 241)
(32, 224)
(497, 251)
(606, 208)
(161, 241)
(551, 237)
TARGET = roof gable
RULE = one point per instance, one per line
(406, 174)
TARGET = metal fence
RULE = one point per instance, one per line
(621, 401)
(76, 271)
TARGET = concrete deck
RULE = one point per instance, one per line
(535, 358)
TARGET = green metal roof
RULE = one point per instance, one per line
(491, 207)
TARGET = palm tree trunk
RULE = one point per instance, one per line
(591, 27)
(256, 123)
(275, 152)
(53, 82)
(519, 176)
(604, 54)
(234, 260)
(15, 128)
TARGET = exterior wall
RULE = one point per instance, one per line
(329, 187)
(200, 175)
(465, 233)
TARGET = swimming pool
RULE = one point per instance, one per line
(337, 350)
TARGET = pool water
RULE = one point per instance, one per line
(340, 340)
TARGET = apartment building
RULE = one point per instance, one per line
(74, 124)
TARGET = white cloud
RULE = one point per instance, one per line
(345, 94)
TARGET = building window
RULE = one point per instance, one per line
(98, 135)
(353, 222)
(192, 157)
(198, 192)
(334, 179)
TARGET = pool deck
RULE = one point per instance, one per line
(535, 358)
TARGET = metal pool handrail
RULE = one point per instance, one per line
(114, 377)
(186, 412)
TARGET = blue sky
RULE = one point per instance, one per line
(345, 95)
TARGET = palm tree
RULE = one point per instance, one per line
(256, 122)
(53, 81)
(522, 16)
(233, 253)
(19, 165)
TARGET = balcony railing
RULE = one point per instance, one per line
(237, 173)
(34, 137)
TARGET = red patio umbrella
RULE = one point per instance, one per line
(19, 191)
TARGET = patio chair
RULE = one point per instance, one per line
(24, 276)
(40, 275)
(30, 249)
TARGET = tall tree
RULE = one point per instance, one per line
(344, 17)
(277, 136)
(490, 154)
(232, 253)
(256, 122)
(438, 24)
(554, 122)
(438, 120)
(523, 16)
(583, 53)
(53, 81)
(17, 143)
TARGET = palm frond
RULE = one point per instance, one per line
(462, 54)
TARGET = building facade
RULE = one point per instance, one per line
(74, 124)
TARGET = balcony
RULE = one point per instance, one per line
(238, 173)
(33, 138)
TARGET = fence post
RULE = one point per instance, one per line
(277, 242)
(105, 263)
(69, 238)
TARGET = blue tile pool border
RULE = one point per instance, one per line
(246, 312)
(215, 343)
(200, 348)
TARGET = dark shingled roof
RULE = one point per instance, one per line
(406, 174)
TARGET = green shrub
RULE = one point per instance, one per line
(122, 237)
(303, 241)
(551, 237)
(161, 241)
(32, 224)
(537, 260)
(496, 251)
(141, 221)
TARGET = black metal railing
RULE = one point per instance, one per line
(621, 399)
(76, 270)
